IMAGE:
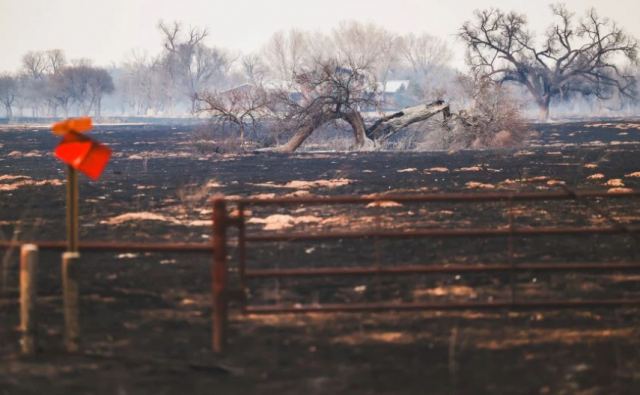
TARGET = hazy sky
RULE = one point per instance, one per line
(107, 30)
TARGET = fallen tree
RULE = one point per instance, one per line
(386, 126)
(332, 92)
(379, 131)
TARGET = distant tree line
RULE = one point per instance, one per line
(48, 85)
(590, 58)
(186, 68)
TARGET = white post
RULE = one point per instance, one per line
(28, 297)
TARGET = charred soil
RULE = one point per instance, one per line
(146, 316)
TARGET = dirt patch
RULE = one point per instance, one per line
(300, 184)
(282, 221)
(25, 182)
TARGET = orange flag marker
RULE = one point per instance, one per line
(78, 125)
(79, 151)
(83, 154)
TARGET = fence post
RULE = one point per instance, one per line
(70, 296)
(219, 273)
(242, 253)
(28, 297)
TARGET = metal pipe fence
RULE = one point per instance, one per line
(223, 294)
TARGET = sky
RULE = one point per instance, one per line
(107, 31)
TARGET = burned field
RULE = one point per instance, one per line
(146, 316)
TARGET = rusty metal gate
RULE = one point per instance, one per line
(223, 292)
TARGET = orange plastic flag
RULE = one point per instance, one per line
(84, 154)
(78, 125)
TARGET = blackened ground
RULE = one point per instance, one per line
(146, 317)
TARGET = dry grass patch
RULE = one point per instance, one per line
(451, 290)
(534, 336)
(615, 182)
(479, 185)
(301, 184)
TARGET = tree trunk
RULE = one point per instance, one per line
(305, 131)
(9, 112)
(194, 101)
(241, 134)
(357, 124)
(544, 110)
(98, 107)
(543, 100)
(385, 127)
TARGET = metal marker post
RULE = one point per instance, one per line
(72, 209)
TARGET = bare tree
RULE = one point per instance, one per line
(82, 85)
(424, 61)
(366, 46)
(191, 63)
(56, 60)
(8, 93)
(99, 83)
(424, 52)
(493, 118)
(240, 107)
(285, 54)
(329, 92)
(39, 63)
(34, 64)
(254, 70)
(62, 89)
(38, 68)
(573, 57)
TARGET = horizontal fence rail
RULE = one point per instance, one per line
(448, 233)
(441, 269)
(440, 306)
(113, 246)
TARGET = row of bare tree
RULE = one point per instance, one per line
(299, 81)
(47, 84)
(170, 82)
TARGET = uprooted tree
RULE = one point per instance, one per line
(570, 58)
